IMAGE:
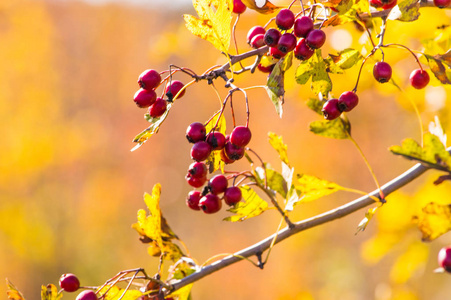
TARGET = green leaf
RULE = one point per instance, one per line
(50, 292)
(336, 129)
(277, 143)
(274, 179)
(275, 84)
(406, 11)
(368, 216)
(441, 66)
(304, 71)
(251, 206)
(316, 105)
(311, 188)
(346, 59)
(321, 82)
(434, 220)
(432, 154)
(214, 161)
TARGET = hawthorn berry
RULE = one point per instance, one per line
(196, 182)
(330, 109)
(233, 152)
(198, 170)
(382, 71)
(302, 26)
(210, 203)
(238, 7)
(302, 51)
(315, 38)
(272, 37)
(69, 282)
(157, 109)
(216, 140)
(442, 3)
(218, 184)
(224, 157)
(196, 132)
(232, 195)
(254, 31)
(193, 200)
(173, 88)
(240, 136)
(200, 151)
(276, 53)
(419, 78)
(149, 79)
(347, 101)
(376, 3)
(444, 258)
(389, 4)
(144, 98)
(87, 295)
(285, 19)
(265, 69)
(258, 41)
(286, 43)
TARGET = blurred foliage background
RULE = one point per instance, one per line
(70, 187)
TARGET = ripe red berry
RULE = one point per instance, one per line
(87, 295)
(272, 37)
(157, 109)
(210, 203)
(382, 71)
(389, 4)
(444, 258)
(200, 151)
(419, 78)
(224, 157)
(238, 7)
(216, 140)
(173, 88)
(265, 69)
(197, 169)
(196, 182)
(149, 79)
(276, 53)
(218, 184)
(232, 195)
(285, 19)
(240, 136)
(330, 109)
(302, 26)
(376, 3)
(315, 39)
(233, 152)
(302, 51)
(347, 101)
(258, 41)
(286, 43)
(69, 282)
(193, 200)
(144, 98)
(196, 132)
(254, 31)
(442, 3)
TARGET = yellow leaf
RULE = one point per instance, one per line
(265, 7)
(212, 25)
(251, 206)
(12, 292)
(214, 161)
(409, 263)
(277, 143)
(50, 292)
(114, 293)
(434, 220)
(311, 188)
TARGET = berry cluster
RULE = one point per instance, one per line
(146, 96)
(232, 149)
(382, 72)
(70, 283)
(333, 108)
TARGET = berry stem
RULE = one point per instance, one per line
(361, 67)
(234, 37)
(362, 23)
(207, 262)
(408, 49)
(273, 242)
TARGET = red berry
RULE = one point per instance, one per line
(198, 170)
(195, 181)
(331, 110)
(258, 41)
(233, 152)
(254, 31)
(286, 43)
(218, 184)
(196, 132)
(285, 19)
(419, 78)
(382, 71)
(302, 51)
(376, 3)
(157, 109)
(145, 98)
(224, 157)
(272, 36)
(442, 3)
(389, 4)
(347, 101)
(193, 200)
(265, 69)
(87, 295)
(149, 79)
(240, 136)
(238, 7)
(315, 39)
(216, 140)
(210, 203)
(173, 88)
(232, 195)
(302, 26)
(200, 151)
(276, 53)
(444, 258)
(69, 282)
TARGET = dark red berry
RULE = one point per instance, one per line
(419, 78)
(315, 39)
(87, 295)
(285, 19)
(347, 101)
(276, 53)
(173, 88)
(149, 79)
(272, 37)
(193, 200)
(238, 7)
(232, 195)
(200, 151)
(376, 3)
(302, 26)
(218, 184)
(196, 182)
(210, 203)
(157, 109)
(216, 140)
(254, 31)
(287, 43)
(265, 69)
(258, 41)
(330, 109)
(442, 3)
(302, 51)
(224, 157)
(145, 98)
(240, 136)
(197, 169)
(69, 282)
(233, 152)
(382, 71)
(389, 4)
(196, 132)
(444, 258)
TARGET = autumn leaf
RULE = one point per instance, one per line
(337, 129)
(434, 220)
(411, 261)
(346, 58)
(368, 216)
(316, 69)
(250, 206)
(406, 11)
(441, 66)
(212, 24)
(277, 143)
(114, 293)
(274, 180)
(214, 160)
(347, 12)
(50, 292)
(311, 188)
(262, 6)
(275, 84)
(12, 292)
(316, 105)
